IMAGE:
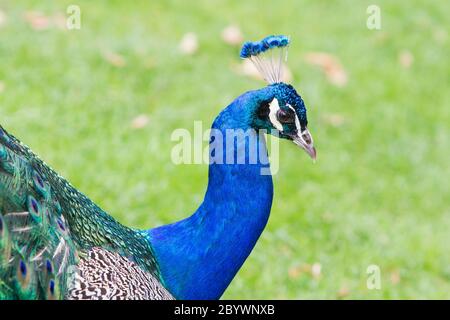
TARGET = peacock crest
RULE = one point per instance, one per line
(268, 56)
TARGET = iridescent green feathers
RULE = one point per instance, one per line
(47, 227)
(35, 247)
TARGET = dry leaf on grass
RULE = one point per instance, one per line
(247, 68)
(3, 18)
(343, 292)
(405, 58)
(114, 58)
(395, 277)
(316, 270)
(232, 35)
(189, 43)
(37, 20)
(330, 65)
(140, 121)
(335, 120)
(296, 271)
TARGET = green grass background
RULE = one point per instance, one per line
(379, 192)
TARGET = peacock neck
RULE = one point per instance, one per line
(200, 255)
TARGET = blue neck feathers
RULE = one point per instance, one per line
(200, 255)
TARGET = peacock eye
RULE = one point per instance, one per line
(285, 116)
(263, 110)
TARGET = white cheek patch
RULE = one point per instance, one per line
(274, 107)
(297, 121)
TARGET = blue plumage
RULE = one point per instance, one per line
(199, 256)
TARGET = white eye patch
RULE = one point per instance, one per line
(274, 107)
(297, 121)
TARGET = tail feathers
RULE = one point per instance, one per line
(5, 247)
(33, 259)
(36, 249)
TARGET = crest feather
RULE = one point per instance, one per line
(267, 55)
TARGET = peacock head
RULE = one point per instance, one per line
(279, 109)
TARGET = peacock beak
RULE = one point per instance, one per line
(305, 141)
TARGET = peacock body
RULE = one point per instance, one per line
(55, 243)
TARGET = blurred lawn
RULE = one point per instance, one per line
(379, 192)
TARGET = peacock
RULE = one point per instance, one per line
(55, 243)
